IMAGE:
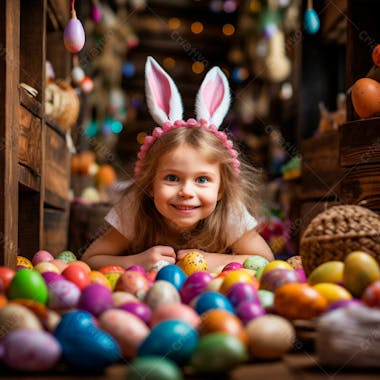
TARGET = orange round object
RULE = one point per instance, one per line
(99, 278)
(106, 175)
(6, 275)
(82, 264)
(233, 277)
(218, 320)
(366, 97)
(299, 301)
(77, 275)
(193, 262)
(376, 55)
(112, 269)
(86, 159)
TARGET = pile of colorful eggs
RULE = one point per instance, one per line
(58, 310)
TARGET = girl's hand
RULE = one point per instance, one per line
(154, 254)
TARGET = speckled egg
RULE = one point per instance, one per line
(299, 301)
(66, 256)
(175, 311)
(277, 277)
(295, 262)
(95, 299)
(242, 291)
(194, 285)
(42, 256)
(248, 310)
(193, 262)
(173, 274)
(30, 350)
(161, 292)
(139, 309)
(133, 282)
(127, 329)
(23, 263)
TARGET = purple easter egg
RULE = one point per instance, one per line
(301, 275)
(95, 299)
(51, 276)
(277, 277)
(63, 295)
(139, 309)
(242, 291)
(30, 350)
(137, 268)
(248, 310)
(343, 303)
(232, 266)
(194, 286)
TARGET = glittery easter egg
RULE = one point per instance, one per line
(277, 277)
(242, 291)
(193, 262)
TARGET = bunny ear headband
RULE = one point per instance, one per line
(165, 106)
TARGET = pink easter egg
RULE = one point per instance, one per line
(95, 299)
(51, 276)
(137, 268)
(63, 295)
(42, 256)
(248, 310)
(232, 266)
(194, 285)
(181, 312)
(120, 298)
(133, 282)
(242, 291)
(139, 309)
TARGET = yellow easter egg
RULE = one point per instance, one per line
(46, 266)
(99, 278)
(331, 271)
(23, 262)
(112, 278)
(235, 276)
(193, 262)
(276, 264)
(333, 292)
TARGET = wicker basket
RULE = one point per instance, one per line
(336, 232)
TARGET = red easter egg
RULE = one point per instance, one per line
(6, 275)
(376, 55)
(112, 269)
(77, 275)
(132, 282)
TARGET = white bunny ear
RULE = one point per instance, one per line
(213, 98)
(162, 95)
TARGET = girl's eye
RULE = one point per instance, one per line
(202, 179)
(171, 178)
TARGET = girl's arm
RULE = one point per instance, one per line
(109, 249)
(251, 243)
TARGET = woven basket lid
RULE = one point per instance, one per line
(338, 231)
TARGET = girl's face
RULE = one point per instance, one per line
(186, 187)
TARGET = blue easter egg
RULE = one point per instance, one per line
(173, 339)
(173, 274)
(311, 21)
(213, 300)
(84, 346)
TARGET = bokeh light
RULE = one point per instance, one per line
(198, 67)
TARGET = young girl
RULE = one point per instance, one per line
(191, 191)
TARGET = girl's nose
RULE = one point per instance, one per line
(186, 190)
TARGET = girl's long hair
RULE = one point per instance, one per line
(211, 233)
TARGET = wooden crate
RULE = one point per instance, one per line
(321, 171)
(360, 159)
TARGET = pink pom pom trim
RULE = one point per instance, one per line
(167, 126)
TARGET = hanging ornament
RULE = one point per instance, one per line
(77, 73)
(73, 35)
(96, 13)
(311, 19)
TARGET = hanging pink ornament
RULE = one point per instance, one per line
(96, 13)
(73, 35)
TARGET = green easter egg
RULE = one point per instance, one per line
(29, 284)
(153, 367)
(255, 262)
(266, 298)
(218, 353)
(67, 256)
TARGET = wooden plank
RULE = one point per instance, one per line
(55, 227)
(58, 13)
(28, 179)
(321, 173)
(9, 108)
(360, 142)
(361, 185)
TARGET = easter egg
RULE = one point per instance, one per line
(360, 270)
(112, 278)
(248, 310)
(212, 300)
(194, 285)
(37, 308)
(255, 262)
(234, 277)
(139, 309)
(154, 367)
(232, 266)
(84, 346)
(67, 256)
(51, 276)
(99, 278)
(77, 275)
(376, 55)
(276, 264)
(15, 317)
(266, 298)
(127, 329)
(28, 283)
(112, 269)
(332, 292)
(193, 262)
(133, 282)
(137, 268)
(6, 276)
(311, 21)
(365, 96)
(330, 271)
(371, 294)
(42, 256)
(81, 264)
(299, 301)
(277, 277)
(46, 266)
(215, 284)
(270, 336)
(219, 320)
(95, 299)
(31, 350)
(120, 298)
(63, 295)
(301, 275)
(342, 304)
(218, 353)
(60, 264)
(173, 274)
(295, 262)
(164, 340)
(175, 311)
(161, 292)
(23, 263)
(242, 291)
